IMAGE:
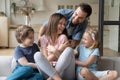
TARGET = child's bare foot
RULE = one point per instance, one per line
(49, 78)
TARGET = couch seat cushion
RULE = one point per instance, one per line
(2, 78)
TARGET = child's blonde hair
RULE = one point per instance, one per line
(93, 32)
(22, 32)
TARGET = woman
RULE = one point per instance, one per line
(57, 59)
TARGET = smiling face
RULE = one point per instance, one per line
(78, 16)
(87, 40)
(28, 41)
(61, 26)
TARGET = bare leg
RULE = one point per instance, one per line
(55, 77)
(88, 75)
(112, 75)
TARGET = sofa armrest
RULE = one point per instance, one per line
(7, 64)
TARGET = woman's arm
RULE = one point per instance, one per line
(63, 41)
(63, 46)
(88, 62)
(23, 61)
(41, 32)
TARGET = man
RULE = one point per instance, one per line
(76, 22)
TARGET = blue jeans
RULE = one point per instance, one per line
(24, 73)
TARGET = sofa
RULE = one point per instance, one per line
(7, 64)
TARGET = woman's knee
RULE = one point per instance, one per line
(37, 56)
(69, 51)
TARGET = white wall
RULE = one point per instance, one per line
(41, 16)
(51, 6)
(94, 15)
(113, 37)
(2, 6)
(111, 31)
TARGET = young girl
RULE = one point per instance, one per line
(57, 58)
(26, 68)
(88, 56)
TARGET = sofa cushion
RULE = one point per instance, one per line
(118, 78)
(13, 64)
(105, 64)
(2, 78)
(117, 65)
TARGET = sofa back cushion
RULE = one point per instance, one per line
(7, 64)
(105, 64)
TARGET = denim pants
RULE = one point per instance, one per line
(24, 73)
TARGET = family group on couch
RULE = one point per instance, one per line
(53, 57)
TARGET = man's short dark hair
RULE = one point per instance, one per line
(86, 8)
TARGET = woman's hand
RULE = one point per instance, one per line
(51, 49)
(63, 46)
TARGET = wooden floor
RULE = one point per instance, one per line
(10, 51)
(109, 52)
(6, 51)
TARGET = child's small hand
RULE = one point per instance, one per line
(77, 61)
(49, 78)
(51, 49)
